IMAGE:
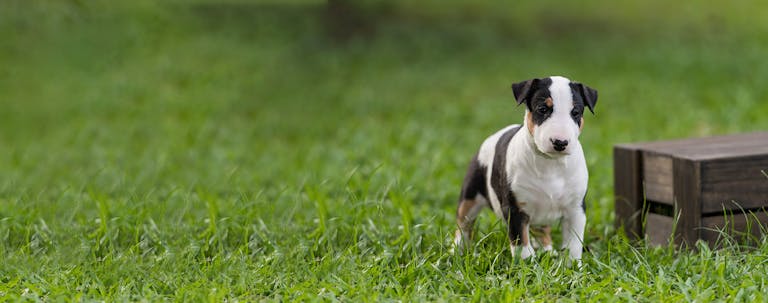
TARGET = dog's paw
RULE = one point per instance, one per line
(456, 250)
(524, 252)
(577, 263)
(458, 243)
(574, 262)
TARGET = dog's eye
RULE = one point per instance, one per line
(542, 109)
(575, 113)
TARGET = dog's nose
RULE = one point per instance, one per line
(558, 144)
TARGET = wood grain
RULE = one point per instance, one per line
(734, 184)
(741, 227)
(737, 145)
(687, 191)
(659, 230)
(627, 180)
(657, 177)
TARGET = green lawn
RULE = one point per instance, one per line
(233, 150)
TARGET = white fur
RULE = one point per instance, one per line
(549, 186)
(485, 157)
(526, 251)
(560, 125)
(573, 232)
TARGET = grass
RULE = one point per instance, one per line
(211, 151)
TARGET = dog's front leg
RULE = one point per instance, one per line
(542, 236)
(573, 225)
(518, 232)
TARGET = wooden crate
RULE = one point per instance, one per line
(709, 184)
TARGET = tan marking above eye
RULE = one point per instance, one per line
(549, 102)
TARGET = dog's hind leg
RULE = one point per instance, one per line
(465, 221)
(471, 201)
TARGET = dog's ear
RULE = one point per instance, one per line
(588, 94)
(524, 90)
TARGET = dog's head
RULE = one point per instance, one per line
(555, 109)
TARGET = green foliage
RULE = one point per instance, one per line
(208, 151)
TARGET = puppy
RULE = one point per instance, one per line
(534, 174)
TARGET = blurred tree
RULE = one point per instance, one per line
(346, 19)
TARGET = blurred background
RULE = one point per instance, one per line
(268, 105)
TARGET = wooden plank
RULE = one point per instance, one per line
(737, 145)
(725, 169)
(725, 181)
(657, 177)
(627, 180)
(741, 227)
(659, 229)
(687, 196)
(677, 144)
(734, 196)
(725, 151)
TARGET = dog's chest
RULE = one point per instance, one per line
(545, 195)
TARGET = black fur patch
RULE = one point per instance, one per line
(513, 215)
(541, 111)
(534, 93)
(578, 111)
(474, 181)
(586, 96)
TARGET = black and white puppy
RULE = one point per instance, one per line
(535, 174)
